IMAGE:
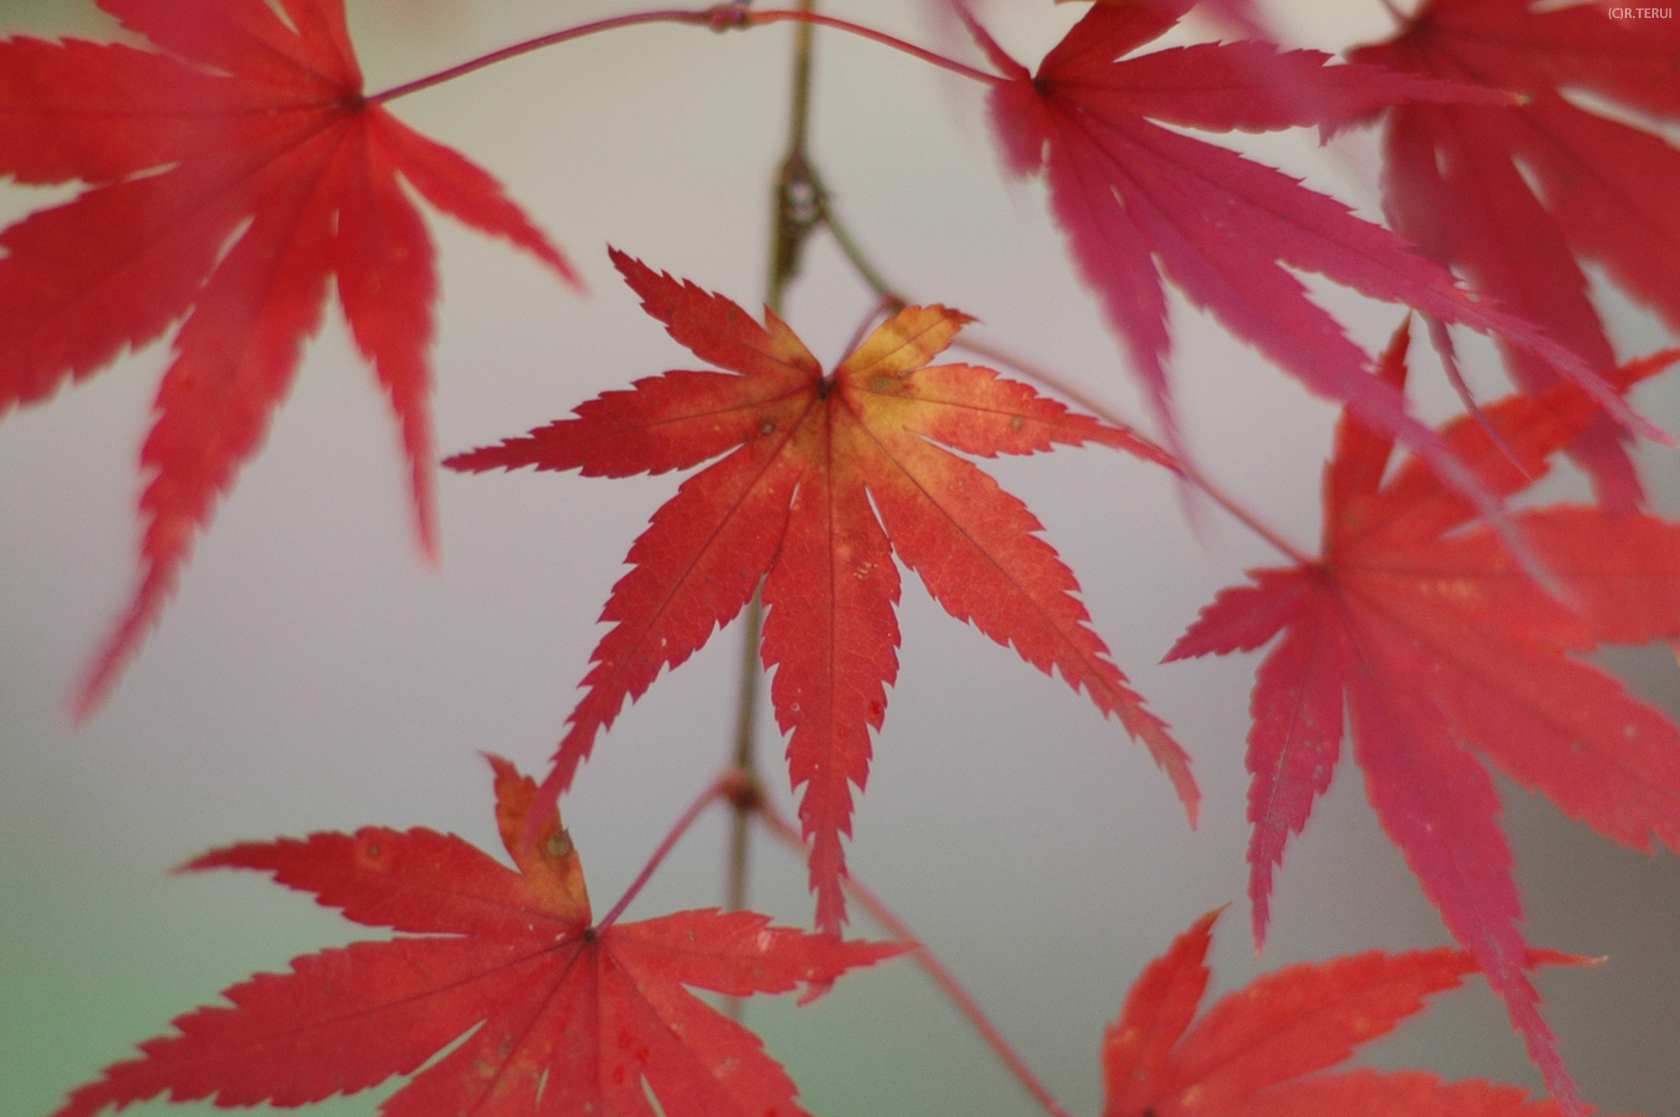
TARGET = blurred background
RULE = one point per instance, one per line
(314, 673)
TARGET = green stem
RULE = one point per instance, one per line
(792, 219)
(745, 759)
(854, 253)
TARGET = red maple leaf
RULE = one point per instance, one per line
(1436, 641)
(1251, 1052)
(1511, 195)
(825, 479)
(1138, 198)
(231, 180)
(559, 1017)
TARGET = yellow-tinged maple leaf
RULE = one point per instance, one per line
(553, 1014)
(823, 480)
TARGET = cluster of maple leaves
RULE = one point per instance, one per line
(236, 172)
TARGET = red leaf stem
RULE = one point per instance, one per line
(723, 786)
(780, 827)
(718, 16)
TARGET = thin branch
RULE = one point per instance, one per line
(791, 221)
(728, 785)
(890, 295)
(942, 977)
(1185, 469)
(883, 307)
(853, 252)
(806, 16)
(718, 17)
(796, 198)
(1400, 17)
(670, 15)
(744, 757)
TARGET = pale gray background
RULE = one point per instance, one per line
(314, 673)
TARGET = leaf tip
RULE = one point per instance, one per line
(426, 537)
(814, 990)
(528, 818)
(100, 678)
(1541, 956)
(633, 270)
